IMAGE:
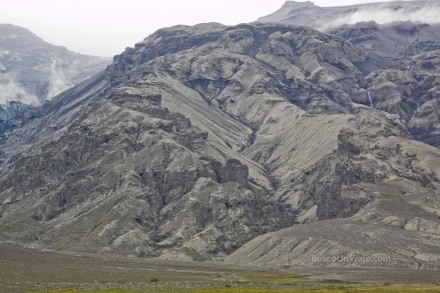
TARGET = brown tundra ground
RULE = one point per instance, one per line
(28, 270)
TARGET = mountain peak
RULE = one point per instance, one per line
(10, 28)
(296, 4)
(9, 31)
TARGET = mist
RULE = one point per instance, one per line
(10, 90)
(33, 84)
(13, 90)
(58, 81)
(384, 14)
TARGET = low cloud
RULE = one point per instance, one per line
(385, 14)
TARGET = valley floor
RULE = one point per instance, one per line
(28, 270)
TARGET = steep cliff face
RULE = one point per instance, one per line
(32, 71)
(201, 138)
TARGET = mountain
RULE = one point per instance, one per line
(205, 142)
(32, 71)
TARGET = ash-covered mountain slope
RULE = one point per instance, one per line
(201, 138)
(396, 180)
(32, 71)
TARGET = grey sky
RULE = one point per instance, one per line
(106, 27)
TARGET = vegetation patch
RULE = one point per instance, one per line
(196, 256)
(407, 107)
(274, 278)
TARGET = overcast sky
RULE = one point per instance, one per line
(106, 27)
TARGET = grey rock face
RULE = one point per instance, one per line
(32, 71)
(201, 138)
(411, 90)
